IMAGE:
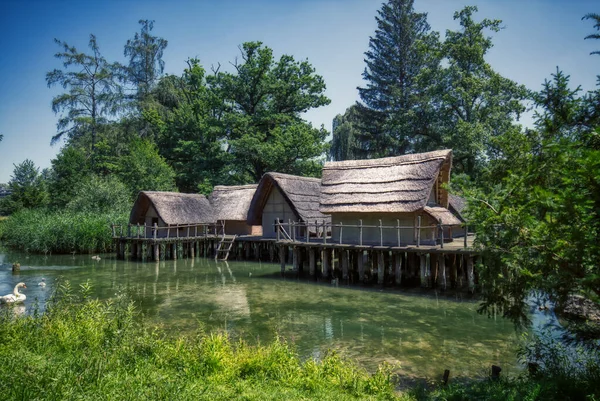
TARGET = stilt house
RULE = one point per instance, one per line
(286, 197)
(171, 210)
(391, 190)
(230, 205)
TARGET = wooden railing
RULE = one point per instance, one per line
(299, 231)
(172, 231)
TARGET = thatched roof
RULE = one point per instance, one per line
(232, 203)
(173, 208)
(393, 184)
(457, 206)
(302, 194)
(443, 215)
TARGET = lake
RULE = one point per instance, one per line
(423, 333)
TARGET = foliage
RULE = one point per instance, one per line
(81, 348)
(100, 195)
(261, 107)
(595, 18)
(27, 186)
(43, 231)
(345, 135)
(538, 218)
(69, 168)
(402, 56)
(143, 169)
(476, 103)
(92, 93)
(145, 66)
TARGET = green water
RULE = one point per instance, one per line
(422, 334)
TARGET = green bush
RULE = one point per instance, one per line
(43, 231)
(81, 348)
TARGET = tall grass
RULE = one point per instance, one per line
(42, 231)
(82, 348)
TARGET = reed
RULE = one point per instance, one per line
(43, 231)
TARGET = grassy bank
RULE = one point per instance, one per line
(86, 349)
(41, 231)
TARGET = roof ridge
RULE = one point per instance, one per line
(412, 158)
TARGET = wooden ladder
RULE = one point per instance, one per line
(224, 247)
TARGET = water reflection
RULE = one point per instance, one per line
(423, 334)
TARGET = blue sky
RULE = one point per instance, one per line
(331, 34)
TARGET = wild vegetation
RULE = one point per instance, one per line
(81, 348)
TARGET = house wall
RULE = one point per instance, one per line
(152, 217)
(275, 207)
(236, 227)
(371, 235)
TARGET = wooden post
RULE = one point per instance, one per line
(156, 252)
(446, 376)
(398, 267)
(295, 259)
(466, 233)
(325, 232)
(496, 372)
(177, 229)
(341, 231)
(380, 233)
(441, 234)
(442, 272)
(423, 266)
(174, 250)
(326, 262)
(308, 231)
(344, 257)
(311, 261)
(470, 273)
(277, 229)
(398, 231)
(380, 267)
(282, 259)
(292, 232)
(360, 233)
(192, 250)
(361, 266)
(418, 231)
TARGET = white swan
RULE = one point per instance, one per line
(16, 296)
(42, 283)
(96, 257)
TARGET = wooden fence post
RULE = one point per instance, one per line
(380, 233)
(360, 232)
(418, 231)
(398, 231)
(341, 231)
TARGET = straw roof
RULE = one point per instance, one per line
(393, 184)
(457, 206)
(442, 215)
(173, 208)
(302, 194)
(232, 203)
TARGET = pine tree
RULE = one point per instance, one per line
(401, 58)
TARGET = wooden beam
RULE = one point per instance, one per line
(398, 268)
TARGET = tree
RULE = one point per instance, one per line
(476, 104)
(100, 195)
(190, 135)
(70, 167)
(538, 224)
(27, 188)
(596, 19)
(146, 64)
(345, 134)
(143, 169)
(92, 93)
(401, 61)
(261, 109)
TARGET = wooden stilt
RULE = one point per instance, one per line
(398, 268)
(192, 251)
(361, 266)
(470, 274)
(344, 256)
(282, 258)
(156, 252)
(423, 268)
(295, 257)
(311, 262)
(443, 279)
(380, 268)
(326, 262)
(174, 251)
